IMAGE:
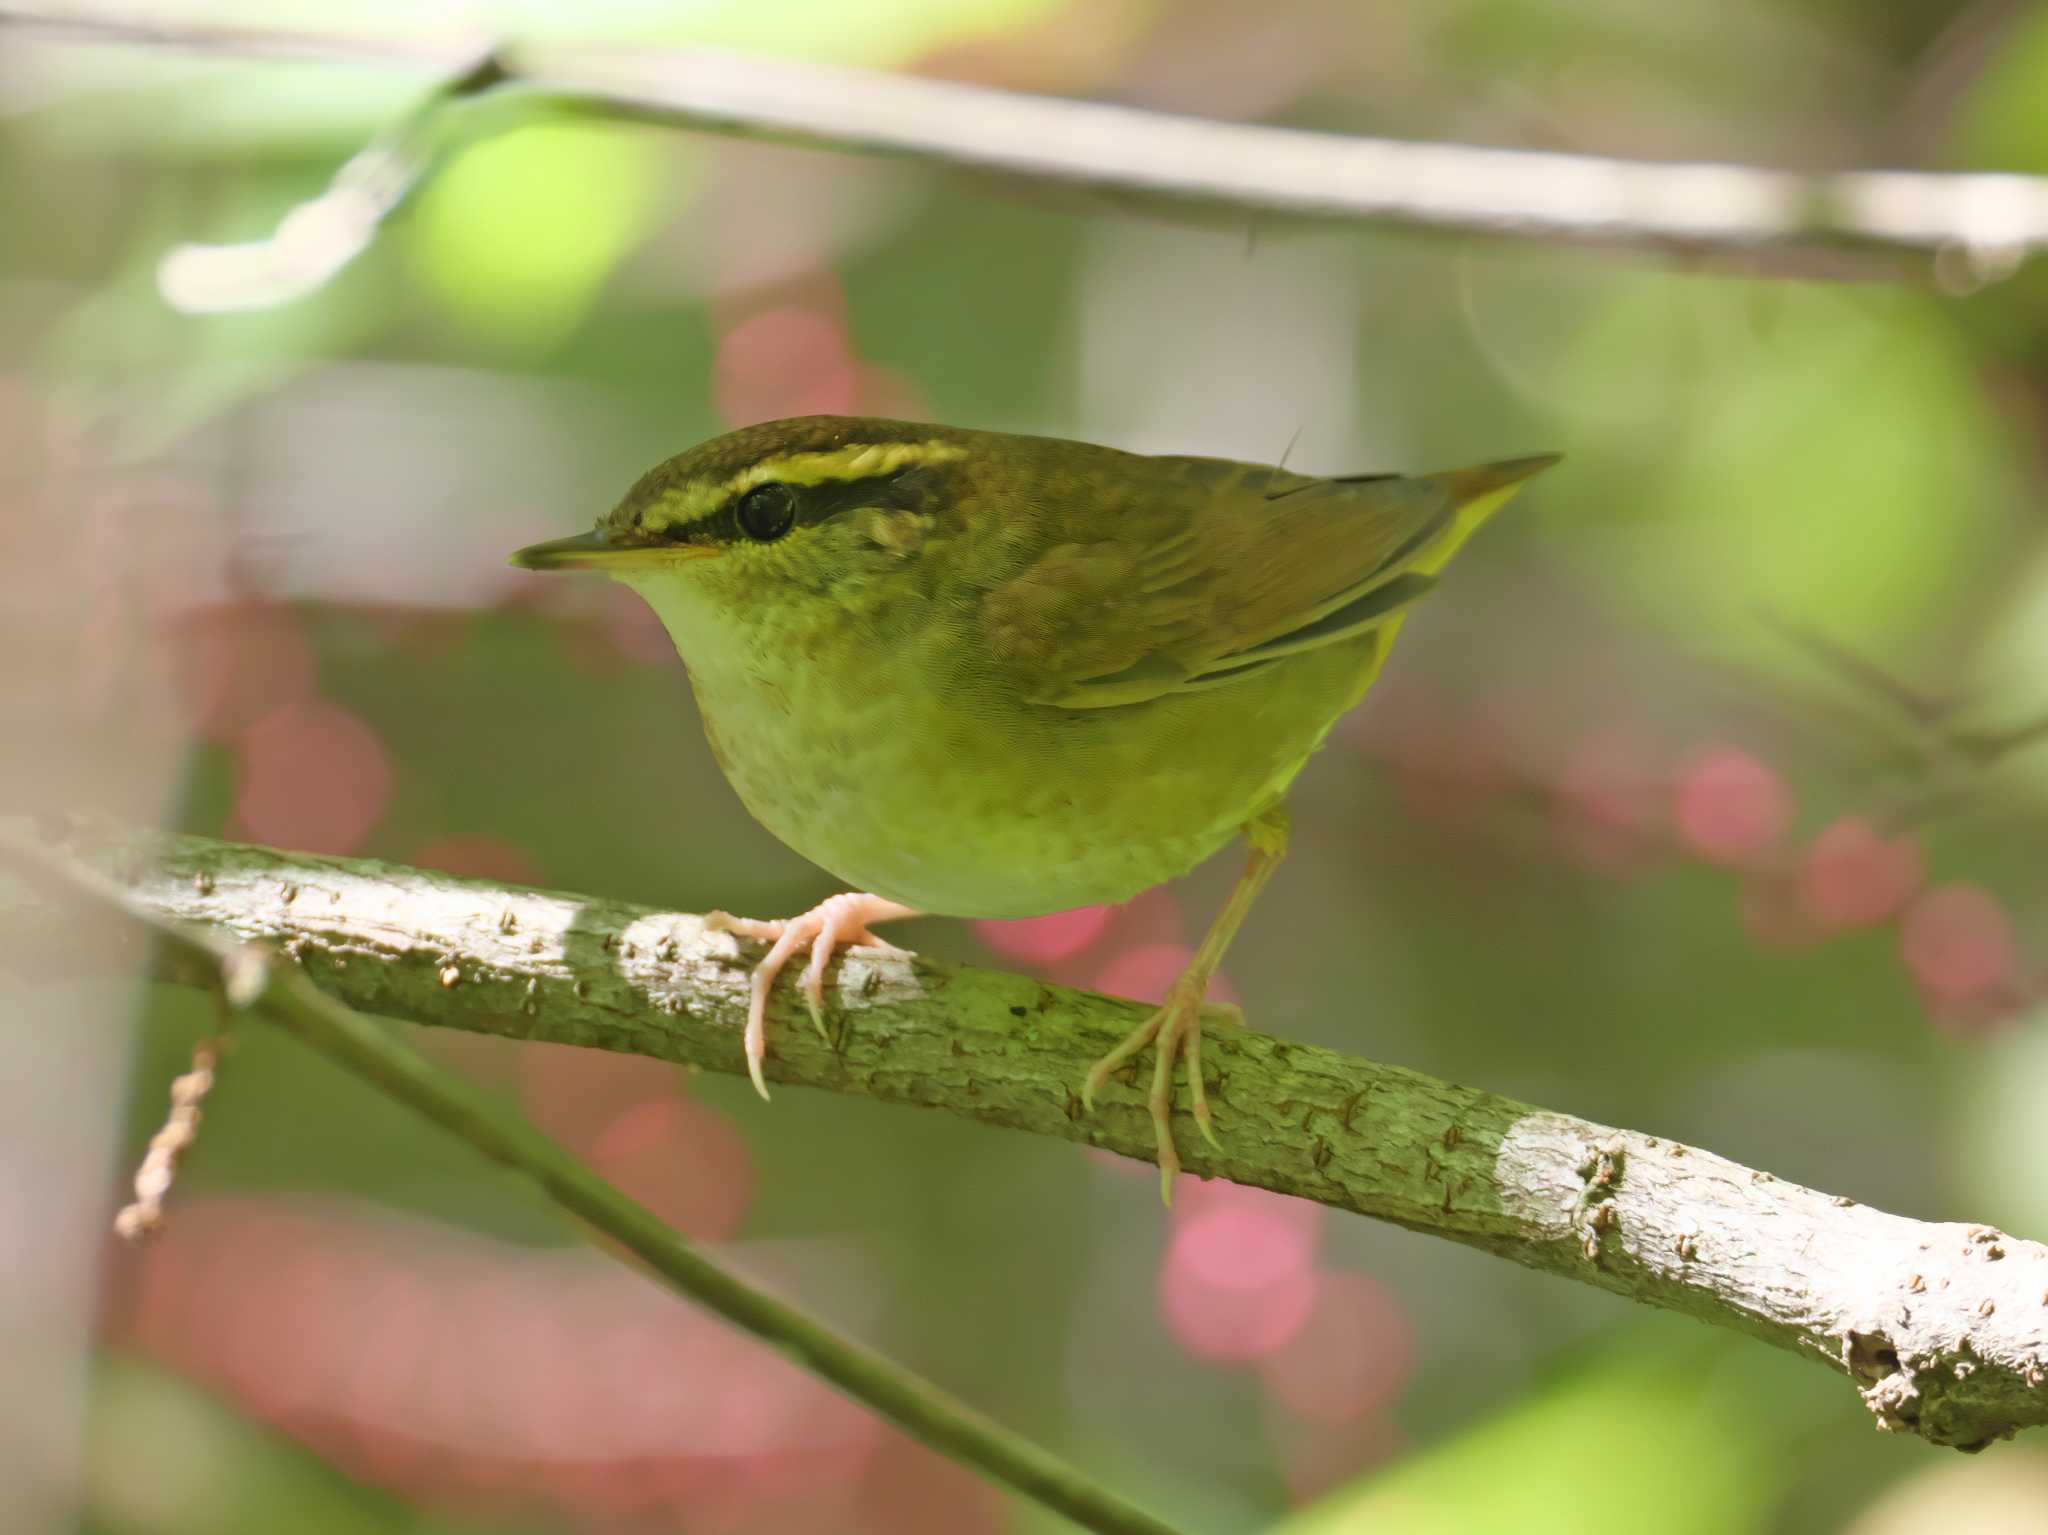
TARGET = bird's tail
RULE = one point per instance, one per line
(1476, 494)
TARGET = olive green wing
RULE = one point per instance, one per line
(1209, 573)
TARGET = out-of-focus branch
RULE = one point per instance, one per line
(117, 883)
(1763, 219)
(1921, 733)
(1942, 1327)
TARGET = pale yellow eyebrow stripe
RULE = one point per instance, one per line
(856, 461)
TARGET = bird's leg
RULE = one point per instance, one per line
(1177, 1026)
(833, 924)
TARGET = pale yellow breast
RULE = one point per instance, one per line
(903, 771)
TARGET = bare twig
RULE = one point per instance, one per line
(159, 1167)
(1942, 1327)
(252, 981)
(316, 239)
(1981, 225)
(1944, 760)
(1923, 709)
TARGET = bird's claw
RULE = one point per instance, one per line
(832, 924)
(1175, 1027)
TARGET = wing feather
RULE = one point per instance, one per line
(1212, 573)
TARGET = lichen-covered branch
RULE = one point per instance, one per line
(1942, 1327)
(1757, 217)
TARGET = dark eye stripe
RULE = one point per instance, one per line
(904, 488)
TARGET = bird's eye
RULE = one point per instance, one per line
(767, 511)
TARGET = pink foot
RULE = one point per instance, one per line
(1175, 1032)
(831, 925)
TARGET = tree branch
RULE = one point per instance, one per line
(1758, 218)
(1943, 1328)
(248, 979)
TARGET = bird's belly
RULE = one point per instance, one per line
(955, 812)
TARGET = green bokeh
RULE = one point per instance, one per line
(1625, 1445)
(1860, 456)
(517, 236)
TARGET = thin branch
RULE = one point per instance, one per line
(1981, 224)
(1924, 741)
(1942, 1327)
(317, 238)
(1991, 745)
(159, 1169)
(1924, 710)
(254, 982)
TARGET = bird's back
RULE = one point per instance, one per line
(1131, 657)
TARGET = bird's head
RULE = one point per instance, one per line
(813, 509)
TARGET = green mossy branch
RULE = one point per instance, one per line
(251, 978)
(1943, 1328)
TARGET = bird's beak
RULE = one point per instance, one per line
(594, 551)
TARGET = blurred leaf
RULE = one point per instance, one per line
(2001, 1136)
(1629, 1446)
(2004, 123)
(2009, 668)
(167, 1457)
(2005, 1496)
(515, 238)
(1832, 460)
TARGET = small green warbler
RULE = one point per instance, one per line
(983, 675)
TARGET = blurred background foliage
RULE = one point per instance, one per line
(1621, 833)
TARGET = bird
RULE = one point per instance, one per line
(982, 674)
